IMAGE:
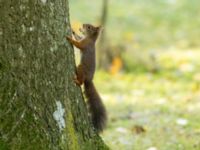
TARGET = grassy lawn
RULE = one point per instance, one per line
(154, 111)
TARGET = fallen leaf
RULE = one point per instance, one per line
(138, 129)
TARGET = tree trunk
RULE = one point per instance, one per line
(104, 52)
(40, 106)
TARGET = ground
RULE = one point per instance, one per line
(154, 111)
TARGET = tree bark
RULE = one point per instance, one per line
(41, 108)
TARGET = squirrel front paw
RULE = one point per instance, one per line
(69, 38)
(73, 32)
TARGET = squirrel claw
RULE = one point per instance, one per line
(76, 81)
(68, 38)
(73, 32)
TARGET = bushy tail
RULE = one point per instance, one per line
(96, 107)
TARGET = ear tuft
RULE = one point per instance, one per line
(99, 28)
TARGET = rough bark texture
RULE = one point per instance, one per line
(40, 106)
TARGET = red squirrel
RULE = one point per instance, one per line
(85, 73)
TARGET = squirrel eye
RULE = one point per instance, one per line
(88, 27)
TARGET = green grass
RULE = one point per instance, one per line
(155, 102)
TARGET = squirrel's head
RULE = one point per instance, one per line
(90, 30)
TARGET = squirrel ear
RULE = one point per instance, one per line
(99, 28)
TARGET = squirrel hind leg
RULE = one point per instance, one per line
(80, 78)
(77, 81)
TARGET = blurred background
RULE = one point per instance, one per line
(149, 51)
